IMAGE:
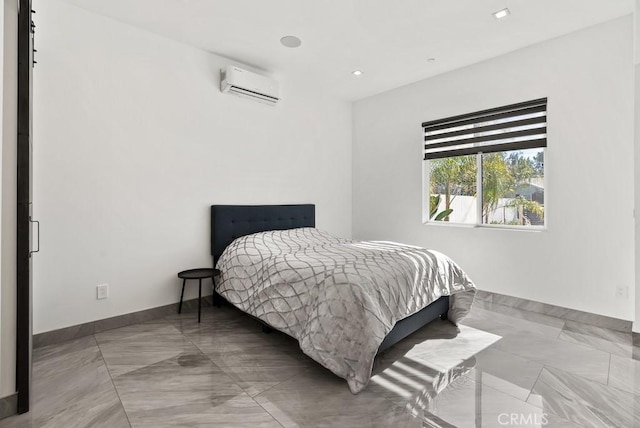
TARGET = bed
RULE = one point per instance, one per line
(277, 267)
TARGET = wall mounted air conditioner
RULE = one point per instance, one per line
(235, 80)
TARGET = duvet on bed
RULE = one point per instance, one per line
(339, 298)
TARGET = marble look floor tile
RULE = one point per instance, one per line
(624, 374)
(187, 390)
(266, 355)
(571, 357)
(408, 380)
(615, 342)
(597, 343)
(83, 397)
(483, 295)
(468, 402)
(417, 369)
(506, 325)
(507, 373)
(237, 411)
(225, 371)
(440, 345)
(412, 384)
(563, 313)
(321, 399)
(523, 314)
(599, 332)
(481, 304)
(224, 318)
(257, 365)
(213, 327)
(254, 360)
(18, 421)
(51, 360)
(227, 342)
(136, 346)
(254, 380)
(554, 421)
(228, 329)
(584, 402)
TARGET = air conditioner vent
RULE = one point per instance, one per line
(249, 85)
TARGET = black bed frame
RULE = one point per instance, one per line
(229, 222)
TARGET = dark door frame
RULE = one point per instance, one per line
(23, 237)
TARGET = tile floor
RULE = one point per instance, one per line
(501, 367)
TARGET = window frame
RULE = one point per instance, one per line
(426, 180)
(426, 202)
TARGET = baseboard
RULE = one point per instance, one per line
(487, 298)
(8, 405)
(89, 328)
(497, 300)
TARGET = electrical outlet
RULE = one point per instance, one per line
(102, 291)
(622, 292)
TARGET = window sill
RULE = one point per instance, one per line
(486, 226)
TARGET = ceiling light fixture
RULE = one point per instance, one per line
(501, 13)
(431, 59)
(356, 73)
(290, 41)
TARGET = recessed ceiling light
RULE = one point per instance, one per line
(290, 41)
(501, 13)
(356, 73)
(431, 59)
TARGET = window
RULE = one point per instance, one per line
(487, 168)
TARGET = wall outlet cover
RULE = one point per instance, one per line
(102, 291)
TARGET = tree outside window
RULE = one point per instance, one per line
(512, 188)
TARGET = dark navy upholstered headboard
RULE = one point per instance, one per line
(229, 222)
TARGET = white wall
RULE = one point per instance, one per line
(8, 108)
(636, 324)
(587, 249)
(133, 142)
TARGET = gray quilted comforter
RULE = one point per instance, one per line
(339, 298)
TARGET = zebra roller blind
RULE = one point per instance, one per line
(513, 127)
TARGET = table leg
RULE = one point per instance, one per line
(214, 296)
(184, 281)
(199, 296)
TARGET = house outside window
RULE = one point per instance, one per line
(487, 168)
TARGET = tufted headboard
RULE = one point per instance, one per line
(229, 222)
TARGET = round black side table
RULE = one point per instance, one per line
(198, 274)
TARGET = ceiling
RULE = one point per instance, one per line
(390, 41)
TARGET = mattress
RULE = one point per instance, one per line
(339, 298)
